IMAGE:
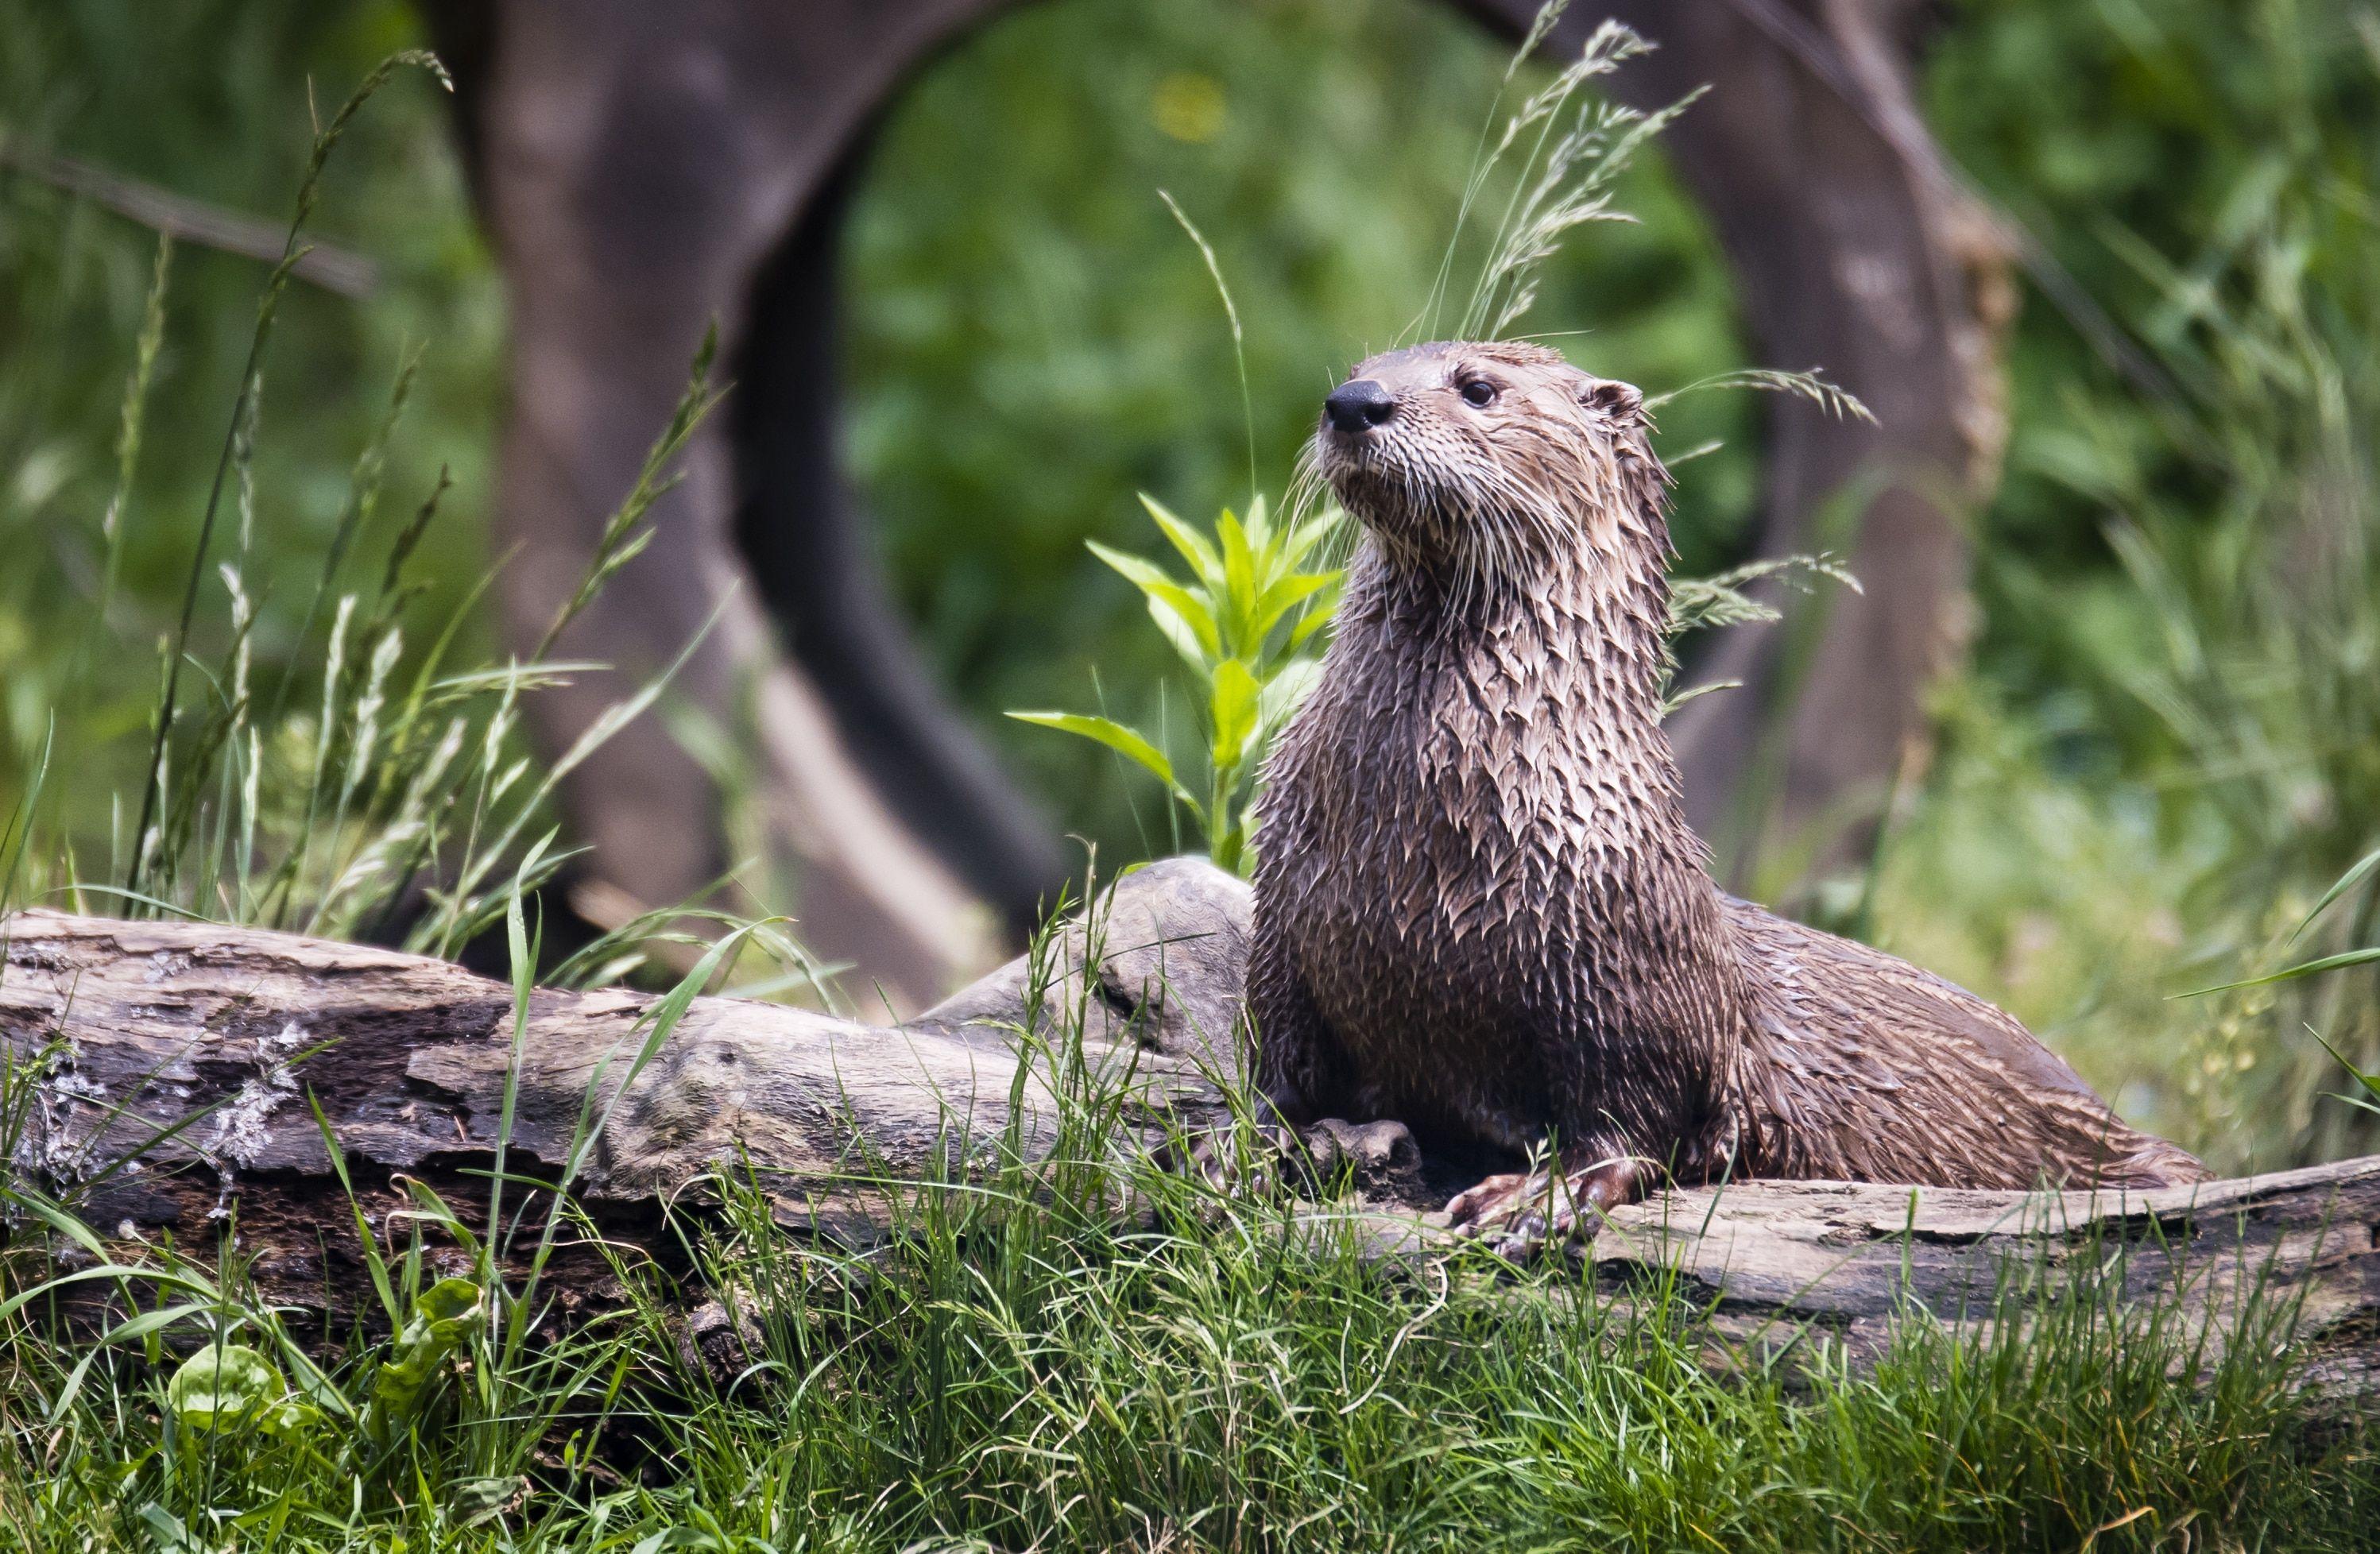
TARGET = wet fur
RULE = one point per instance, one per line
(1479, 908)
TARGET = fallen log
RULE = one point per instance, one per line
(170, 1074)
(2286, 1258)
(173, 1071)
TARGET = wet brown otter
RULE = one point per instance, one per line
(1478, 907)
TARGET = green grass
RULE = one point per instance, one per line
(1065, 1394)
(1024, 1367)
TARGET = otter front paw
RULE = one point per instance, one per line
(1521, 1213)
(1381, 1159)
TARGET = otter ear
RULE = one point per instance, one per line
(1621, 402)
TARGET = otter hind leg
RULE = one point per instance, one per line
(1521, 1213)
(1380, 1158)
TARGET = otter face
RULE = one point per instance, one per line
(1492, 458)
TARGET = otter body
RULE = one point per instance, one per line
(1479, 910)
(1468, 909)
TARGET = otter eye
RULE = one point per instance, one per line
(1479, 392)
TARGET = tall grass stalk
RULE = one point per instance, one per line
(243, 408)
(129, 422)
(394, 800)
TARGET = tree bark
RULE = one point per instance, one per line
(174, 1069)
(638, 166)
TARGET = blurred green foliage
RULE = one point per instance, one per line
(1032, 339)
(2161, 757)
(2171, 747)
(211, 100)
(2106, 126)
(1246, 623)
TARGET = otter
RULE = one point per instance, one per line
(1479, 910)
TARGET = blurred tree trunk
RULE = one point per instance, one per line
(1855, 251)
(644, 170)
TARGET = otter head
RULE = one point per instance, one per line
(1495, 462)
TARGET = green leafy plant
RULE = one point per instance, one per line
(1243, 622)
(233, 1386)
(445, 1315)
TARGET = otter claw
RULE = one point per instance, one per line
(1484, 1201)
(1519, 1215)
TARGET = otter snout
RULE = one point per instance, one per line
(1357, 406)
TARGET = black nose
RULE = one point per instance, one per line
(1354, 407)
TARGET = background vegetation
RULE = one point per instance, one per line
(2162, 754)
(2166, 751)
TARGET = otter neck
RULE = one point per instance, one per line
(1591, 619)
(1538, 719)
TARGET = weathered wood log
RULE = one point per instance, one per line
(125, 1032)
(2291, 1257)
